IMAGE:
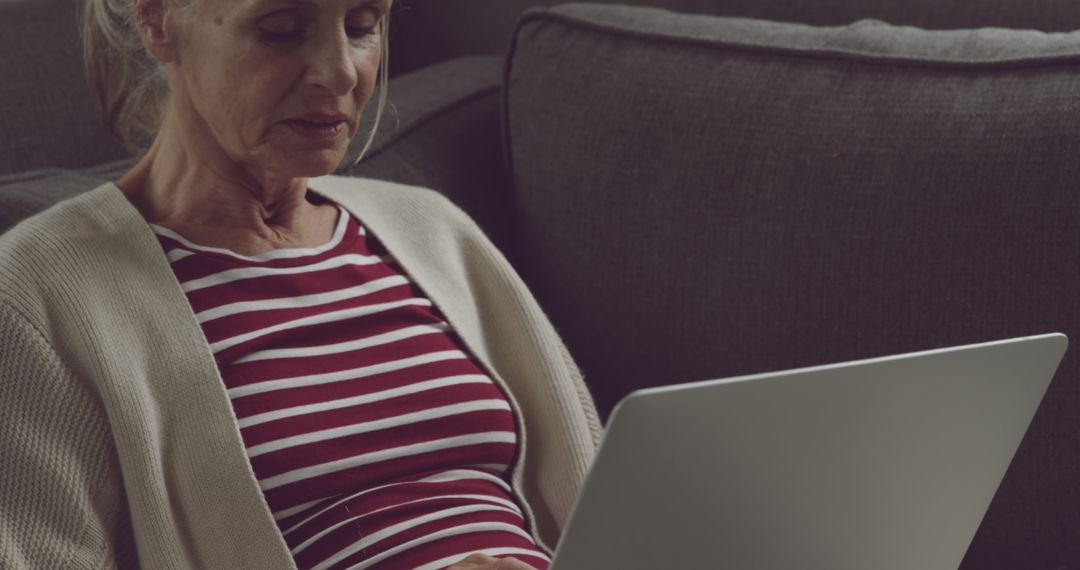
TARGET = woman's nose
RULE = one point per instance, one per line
(331, 64)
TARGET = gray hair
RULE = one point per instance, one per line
(130, 86)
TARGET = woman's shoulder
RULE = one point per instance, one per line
(70, 217)
(64, 225)
(54, 248)
(422, 226)
(378, 197)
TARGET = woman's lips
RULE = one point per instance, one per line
(319, 131)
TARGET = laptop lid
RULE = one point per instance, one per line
(886, 463)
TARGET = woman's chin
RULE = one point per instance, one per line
(310, 164)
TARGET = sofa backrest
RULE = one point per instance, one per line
(702, 197)
(48, 120)
(427, 31)
(47, 115)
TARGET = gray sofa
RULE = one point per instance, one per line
(695, 197)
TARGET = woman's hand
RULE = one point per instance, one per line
(484, 562)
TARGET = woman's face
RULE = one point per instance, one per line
(277, 85)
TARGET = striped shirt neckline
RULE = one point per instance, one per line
(288, 253)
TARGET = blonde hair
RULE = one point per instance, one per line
(130, 86)
(382, 85)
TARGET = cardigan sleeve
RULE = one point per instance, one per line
(588, 404)
(61, 501)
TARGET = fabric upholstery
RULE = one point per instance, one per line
(47, 115)
(488, 25)
(706, 197)
(441, 131)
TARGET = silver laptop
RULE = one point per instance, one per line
(882, 464)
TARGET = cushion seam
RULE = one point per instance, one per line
(808, 53)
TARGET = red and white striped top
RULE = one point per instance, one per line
(377, 440)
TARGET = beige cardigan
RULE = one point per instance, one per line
(119, 444)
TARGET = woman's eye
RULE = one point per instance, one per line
(356, 32)
(288, 27)
(281, 28)
(361, 25)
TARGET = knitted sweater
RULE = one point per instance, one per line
(120, 444)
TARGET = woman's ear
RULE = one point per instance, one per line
(154, 20)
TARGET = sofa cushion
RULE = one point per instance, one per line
(47, 116)
(700, 197)
(491, 22)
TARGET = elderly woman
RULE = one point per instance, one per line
(227, 359)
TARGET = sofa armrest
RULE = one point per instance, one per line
(441, 131)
